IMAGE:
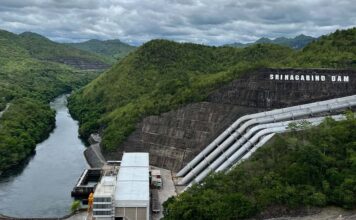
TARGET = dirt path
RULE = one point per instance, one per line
(6, 108)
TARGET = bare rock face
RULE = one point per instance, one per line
(176, 137)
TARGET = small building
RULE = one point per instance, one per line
(104, 198)
(132, 195)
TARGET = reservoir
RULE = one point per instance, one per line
(41, 186)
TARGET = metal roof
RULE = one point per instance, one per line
(106, 187)
(133, 181)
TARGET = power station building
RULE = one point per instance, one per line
(125, 195)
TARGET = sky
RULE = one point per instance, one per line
(211, 22)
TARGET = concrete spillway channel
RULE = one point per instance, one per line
(242, 134)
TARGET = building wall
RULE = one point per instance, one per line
(132, 213)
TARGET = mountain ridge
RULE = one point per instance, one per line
(297, 42)
(115, 48)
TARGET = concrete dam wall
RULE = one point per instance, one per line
(175, 137)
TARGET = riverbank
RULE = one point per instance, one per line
(25, 123)
(50, 173)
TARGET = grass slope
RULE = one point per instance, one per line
(115, 49)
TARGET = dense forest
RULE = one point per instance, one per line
(30, 77)
(314, 167)
(162, 75)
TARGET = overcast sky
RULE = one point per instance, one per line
(201, 21)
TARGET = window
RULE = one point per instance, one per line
(102, 206)
(97, 213)
(102, 199)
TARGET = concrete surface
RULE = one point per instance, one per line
(168, 189)
(94, 156)
(79, 216)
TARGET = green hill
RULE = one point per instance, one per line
(162, 75)
(159, 76)
(30, 76)
(115, 49)
(297, 42)
(44, 49)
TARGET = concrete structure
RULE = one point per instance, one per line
(103, 207)
(124, 192)
(132, 195)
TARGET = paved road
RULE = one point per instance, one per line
(166, 192)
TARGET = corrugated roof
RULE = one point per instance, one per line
(133, 181)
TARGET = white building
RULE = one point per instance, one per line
(103, 206)
(126, 195)
(132, 195)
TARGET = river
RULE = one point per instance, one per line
(41, 186)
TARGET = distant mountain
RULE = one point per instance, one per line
(42, 48)
(114, 49)
(297, 43)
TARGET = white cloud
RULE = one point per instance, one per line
(201, 21)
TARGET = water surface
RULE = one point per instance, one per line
(41, 186)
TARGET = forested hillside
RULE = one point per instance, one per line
(162, 75)
(159, 76)
(315, 167)
(30, 77)
(114, 49)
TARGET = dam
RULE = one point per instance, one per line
(174, 138)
